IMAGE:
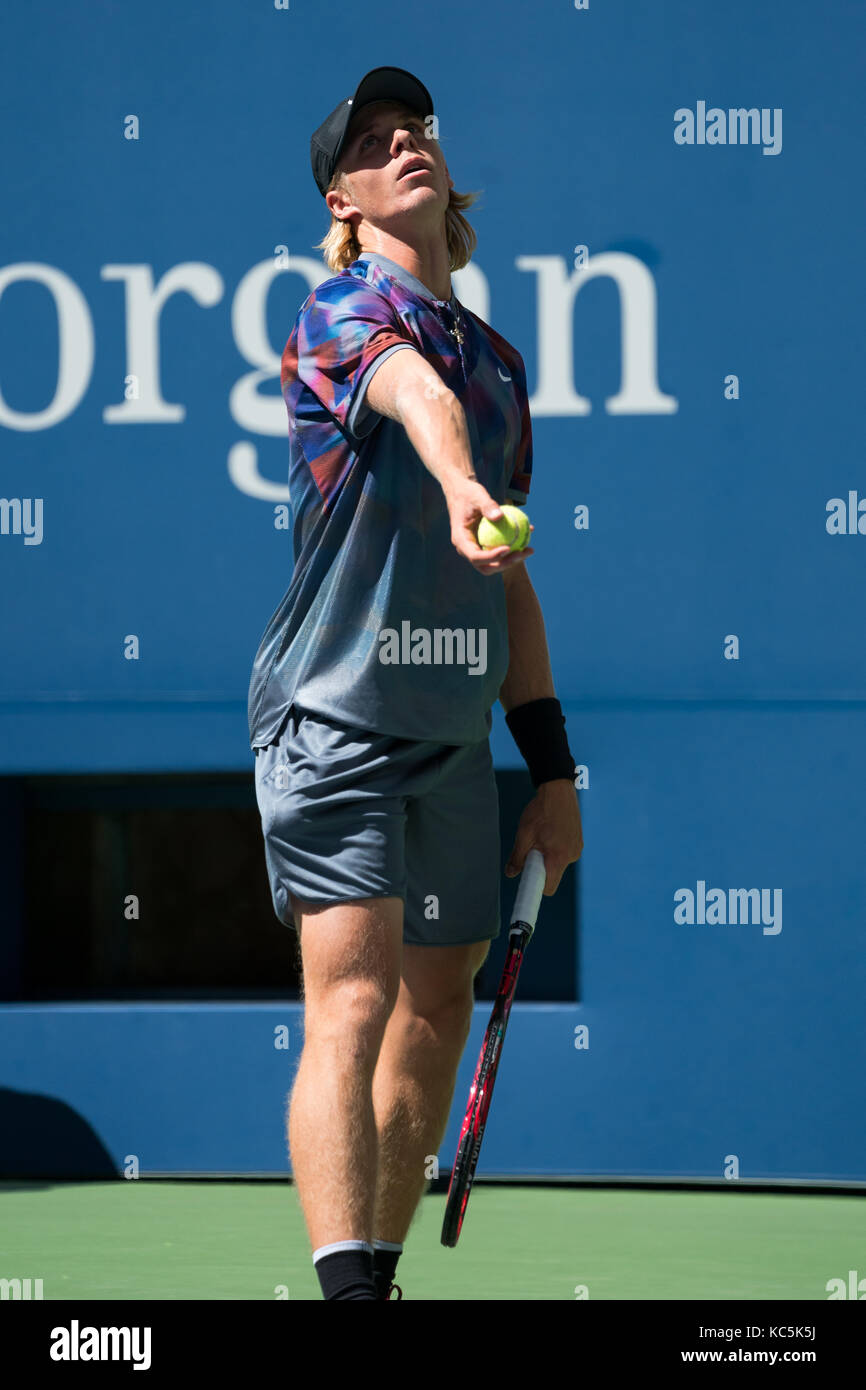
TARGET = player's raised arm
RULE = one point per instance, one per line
(407, 389)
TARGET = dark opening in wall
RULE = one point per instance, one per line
(155, 887)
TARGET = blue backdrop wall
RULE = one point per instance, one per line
(670, 232)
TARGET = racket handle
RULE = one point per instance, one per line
(530, 889)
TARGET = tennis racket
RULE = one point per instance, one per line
(526, 905)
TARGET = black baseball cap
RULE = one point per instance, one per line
(380, 84)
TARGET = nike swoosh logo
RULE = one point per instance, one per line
(503, 378)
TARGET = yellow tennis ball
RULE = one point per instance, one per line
(512, 530)
(521, 521)
(494, 533)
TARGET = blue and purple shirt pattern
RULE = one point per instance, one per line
(371, 531)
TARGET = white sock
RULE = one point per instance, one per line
(341, 1245)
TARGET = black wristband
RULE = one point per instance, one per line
(538, 729)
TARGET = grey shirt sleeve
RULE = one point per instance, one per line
(362, 417)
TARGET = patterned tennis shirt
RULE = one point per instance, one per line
(384, 626)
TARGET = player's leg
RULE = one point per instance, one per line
(452, 912)
(334, 814)
(351, 956)
(415, 1075)
(333, 824)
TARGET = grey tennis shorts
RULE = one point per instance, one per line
(352, 814)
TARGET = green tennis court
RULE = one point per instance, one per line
(234, 1240)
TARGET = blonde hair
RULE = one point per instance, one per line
(340, 247)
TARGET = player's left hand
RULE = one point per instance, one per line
(550, 823)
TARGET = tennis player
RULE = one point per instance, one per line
(371, 692)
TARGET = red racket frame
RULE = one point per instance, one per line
(480, 1095)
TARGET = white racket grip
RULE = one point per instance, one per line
(530, 889)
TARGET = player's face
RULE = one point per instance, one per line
(383, 140)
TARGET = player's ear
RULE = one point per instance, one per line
(339, 202)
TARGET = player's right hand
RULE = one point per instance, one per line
(467, 502)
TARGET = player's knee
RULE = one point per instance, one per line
(443, 1022)
(443, 1007)
(459, 1016)
(349, 1016)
